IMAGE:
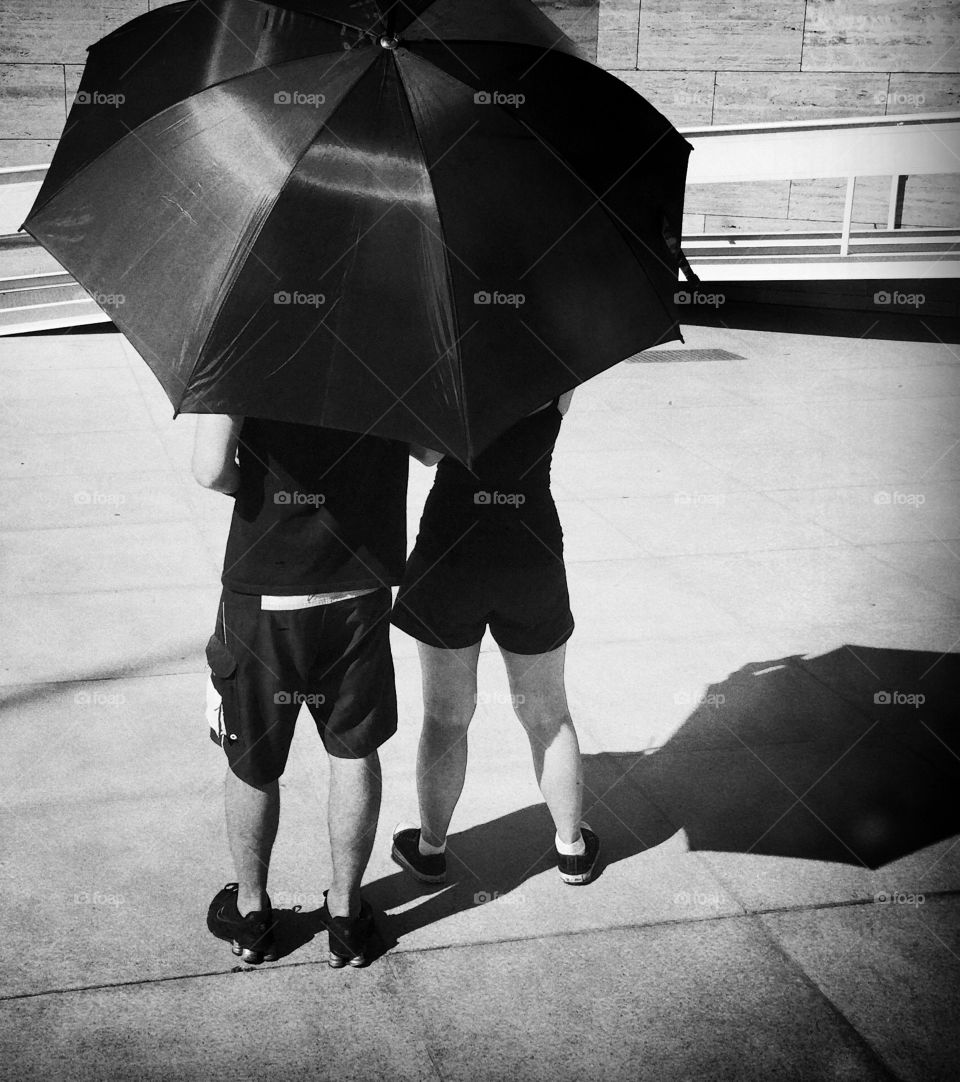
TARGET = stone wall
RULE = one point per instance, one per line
(706, 62)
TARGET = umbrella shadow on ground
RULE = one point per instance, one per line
(850, 757)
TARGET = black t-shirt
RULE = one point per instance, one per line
(501, 509)
(317, 510)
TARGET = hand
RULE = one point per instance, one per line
(425, 455)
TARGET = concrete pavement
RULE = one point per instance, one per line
(762, 535)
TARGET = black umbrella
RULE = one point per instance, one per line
(420, 220)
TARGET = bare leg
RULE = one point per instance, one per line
(353, 809)
(253, 813)
(540, 701)
(449, 701)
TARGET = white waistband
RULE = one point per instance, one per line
(270, 603)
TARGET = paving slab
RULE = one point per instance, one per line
(105, 558)
(893, 969)
(828, 586)
(710, 522)
(643, 598)
(51, 454)
(69, 636)
(658, 468)
(714, 999)
(872, 515)
(932, 563)
(87, 498)
(306, 1023)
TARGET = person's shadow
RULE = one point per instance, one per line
(850, 757)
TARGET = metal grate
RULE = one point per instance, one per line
(660, 356)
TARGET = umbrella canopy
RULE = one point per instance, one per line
(420, 220)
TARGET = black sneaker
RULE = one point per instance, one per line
(579, 870)
(406, 852)
(347, 939)
(251, 936)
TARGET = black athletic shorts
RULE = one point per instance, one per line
(334, 658)
(450, 603)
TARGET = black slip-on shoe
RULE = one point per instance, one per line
(348, 938)
(251, 936)
(406, 852)
(579, 870)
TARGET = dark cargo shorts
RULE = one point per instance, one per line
(335, 659)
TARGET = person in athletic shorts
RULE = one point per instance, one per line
(490, 554)
(317, 539)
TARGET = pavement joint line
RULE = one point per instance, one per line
(866, 1048)
(431, 1057)
(750, 916)
(77, 527)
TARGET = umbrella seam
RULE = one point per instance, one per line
(254, 234)
(130, 132)
(461, 403)
(621, 228)
(598, 199)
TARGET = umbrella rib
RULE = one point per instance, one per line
(254, 234)
(618, 222)
(399, 399)
(615, 220)
(445, 248)
(598, 201)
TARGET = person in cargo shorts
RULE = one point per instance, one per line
(317, 538)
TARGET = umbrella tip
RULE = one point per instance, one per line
(390, 41)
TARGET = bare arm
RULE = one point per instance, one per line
(215, 452)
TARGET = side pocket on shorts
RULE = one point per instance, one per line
(223, 665)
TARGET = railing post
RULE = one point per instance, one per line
(847, 217)
(898, 185)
